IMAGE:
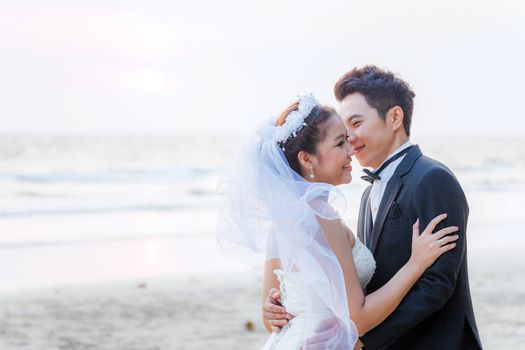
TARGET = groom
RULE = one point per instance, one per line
(437, 313)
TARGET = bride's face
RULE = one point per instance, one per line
(332, 163)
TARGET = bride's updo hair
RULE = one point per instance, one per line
(308, 137)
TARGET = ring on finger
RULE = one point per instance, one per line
(441, 243)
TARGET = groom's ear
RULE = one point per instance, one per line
(396, 115)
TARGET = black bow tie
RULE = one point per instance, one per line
(371, 176)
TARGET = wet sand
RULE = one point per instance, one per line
(213, 311)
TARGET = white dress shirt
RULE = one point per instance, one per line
(379, 186)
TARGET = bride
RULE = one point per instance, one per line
(282, 208)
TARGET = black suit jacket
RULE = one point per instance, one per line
(437, 313)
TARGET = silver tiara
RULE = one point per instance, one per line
(295, 120)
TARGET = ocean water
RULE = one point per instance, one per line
(43, 175)
(94, 204)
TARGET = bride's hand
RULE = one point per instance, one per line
(428, 246)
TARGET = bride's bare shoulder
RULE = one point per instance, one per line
(349, 233)
(337, 232)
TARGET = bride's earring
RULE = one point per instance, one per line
(312, 173)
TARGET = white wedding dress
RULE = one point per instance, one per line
(295, 296)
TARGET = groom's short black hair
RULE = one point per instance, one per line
(382, 90)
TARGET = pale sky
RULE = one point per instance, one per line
(223, 66)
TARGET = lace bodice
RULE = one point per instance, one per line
(295, 296)
(364, 262)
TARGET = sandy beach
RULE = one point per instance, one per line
(203, 311)
(183, 312)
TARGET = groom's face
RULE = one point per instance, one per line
(371, 137)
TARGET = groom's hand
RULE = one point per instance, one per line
(273, 312)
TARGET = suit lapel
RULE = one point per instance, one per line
(369, 224)
(362, 220)
(391, 191)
